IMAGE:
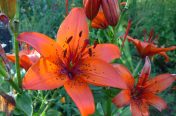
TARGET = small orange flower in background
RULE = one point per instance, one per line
(71, 62)
(27, 58)
(148, 48)
(99, 22)
(141, 95)
(110, 8)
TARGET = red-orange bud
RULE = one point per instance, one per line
(91, 8)
(111, 11)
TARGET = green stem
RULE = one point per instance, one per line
(137, 67)
(49, 104)
(14, 33)
(7, 77)
(17, 64)
(108, 107)
(43, 101)
(14, 86)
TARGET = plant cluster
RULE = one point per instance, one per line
(79, 72)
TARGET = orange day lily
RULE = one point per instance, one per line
(141, 95)
(27, 58)
(71, 62)
(148, 48)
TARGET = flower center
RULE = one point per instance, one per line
(136, 93)
(73, 55)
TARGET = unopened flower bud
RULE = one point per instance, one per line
(91, 8)
(111, 11)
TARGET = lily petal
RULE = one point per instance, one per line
(122, 99)
(43, 44)
(98, 72)
(24, 61)
(145, 72)
(165, 56)
(155, 50)
(159, 83)
(81, 94)
(43, 76)
(125, 74)
(155, 101)
(139, 108)
(106, 52)
(74, 29)
(99, 22)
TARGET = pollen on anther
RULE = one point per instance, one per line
(90, 51)
(65, 53)
(80, 33)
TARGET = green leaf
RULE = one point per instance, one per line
(2, 114)
(5, 86)
(52, 112)
(24, 103)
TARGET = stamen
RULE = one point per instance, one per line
(86, 42)
(156, 37)
(151, 35)
(95, 44)
(70, 76)
(127, 31)
(65, 53)
(90, 52)
(80, 33)
(69, 39)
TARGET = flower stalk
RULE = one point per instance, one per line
(14, 33)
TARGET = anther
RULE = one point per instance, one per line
(69, 39)
(95, 44)
(86, 42)
(80, 33)
(90, 52)
(65, 53)
(151, 35)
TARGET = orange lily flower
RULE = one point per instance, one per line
(99, 22)
(27, 58)
(141, 95)
(71, 62)
(148, 48)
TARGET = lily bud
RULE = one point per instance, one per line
(8, 7)
(111, 11)
(91, 8)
